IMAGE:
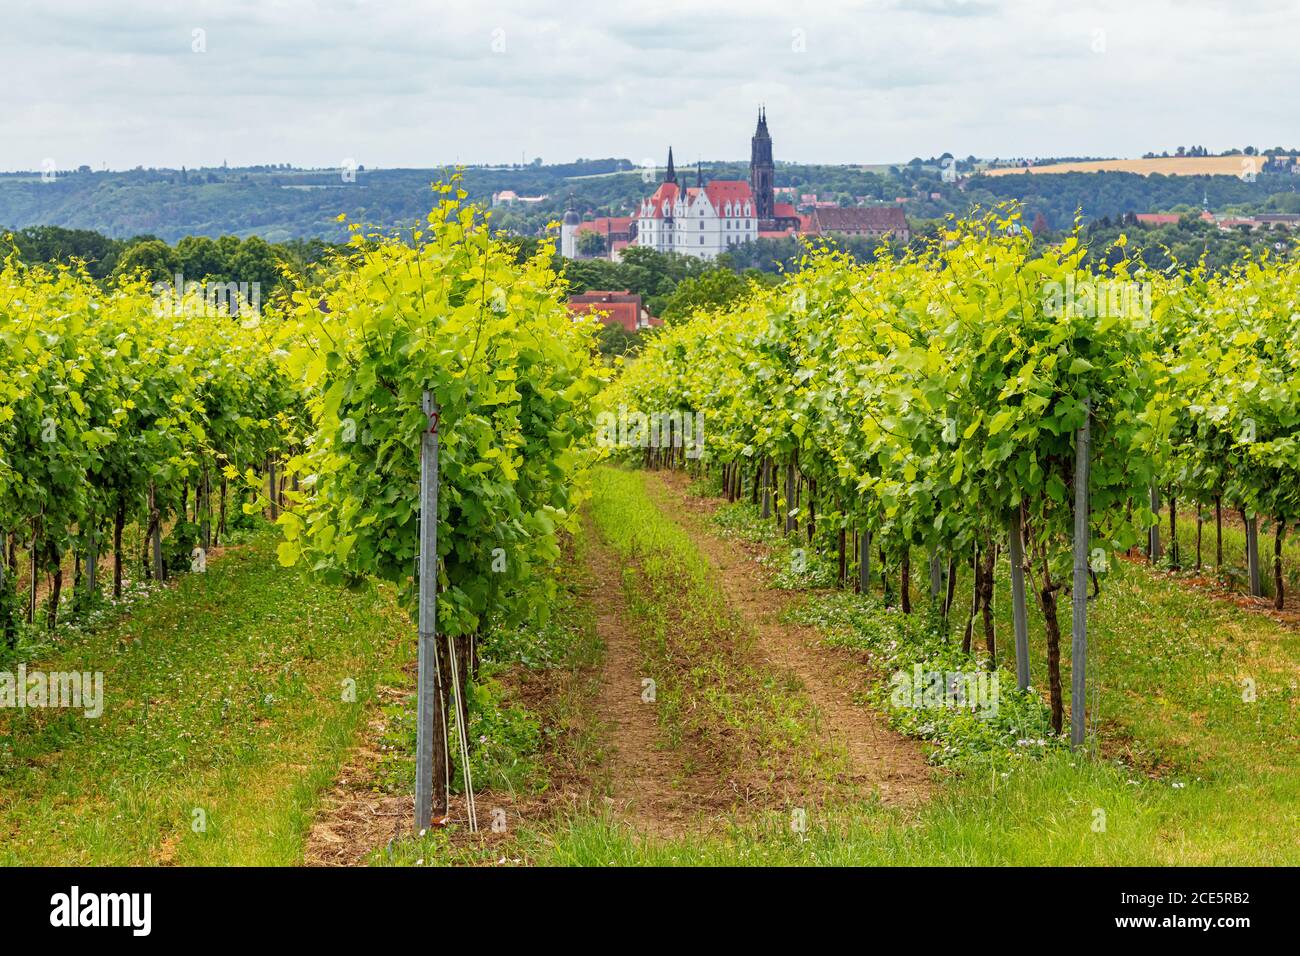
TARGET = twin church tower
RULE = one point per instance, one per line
(762, 170)
(703, 220)
(706, 219)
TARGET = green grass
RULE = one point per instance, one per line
(224, 717)
(223, 694)
(697, 648)
(1195, 774)
(1215, 775)
(1048, 812)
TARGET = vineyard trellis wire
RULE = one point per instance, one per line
(933, 402)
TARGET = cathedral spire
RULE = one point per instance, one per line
(671, 175)
(699, 174)
(762, 171)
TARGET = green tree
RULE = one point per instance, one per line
(201, 258)
(152, 257)
(718, 288)
(591, 243)
(256, 262)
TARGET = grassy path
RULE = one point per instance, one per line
(1208, 777)
(224, 717)
(649, 786)
(881, 763)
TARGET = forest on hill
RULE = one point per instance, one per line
(278, 203)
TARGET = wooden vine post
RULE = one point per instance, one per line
(1079, 595)
(767, 487)
(1019, 614)
(864, 562)
(1153, 535)
(273, 487)
(431, 737)
(1252, 555)
(790, 503)
(155, 535)
(92, 555)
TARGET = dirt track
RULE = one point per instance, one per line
(882, 761)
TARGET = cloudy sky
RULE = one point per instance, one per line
(406, 83)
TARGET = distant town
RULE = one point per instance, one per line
(709, 218)
(640, 244)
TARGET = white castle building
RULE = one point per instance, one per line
(701, 220)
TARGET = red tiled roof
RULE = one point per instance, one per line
(775, 233)
(605, 295)
(723, 191)
(861, 219)
(1158, 218)
(607, 224)
(719, 192)
(784, 210)
(614, 308)
(610, 313)
(666, 193)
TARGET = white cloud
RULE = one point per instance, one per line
(407, 83)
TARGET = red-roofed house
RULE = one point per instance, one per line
(1158, 218)
(615, 231)
(611, 227)
(872, 221)
(614, 308)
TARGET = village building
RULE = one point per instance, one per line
(704, 220)
(615, 308)
(874, 222)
